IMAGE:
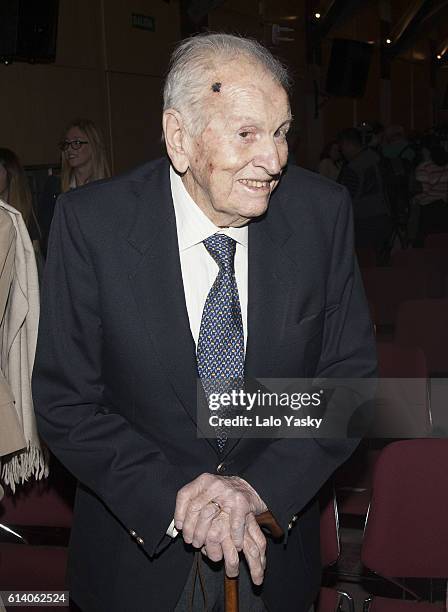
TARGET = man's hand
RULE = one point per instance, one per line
(234, 496)
(219, 545)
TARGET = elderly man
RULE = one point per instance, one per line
(177, 271)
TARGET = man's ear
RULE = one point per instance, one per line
(176, 136)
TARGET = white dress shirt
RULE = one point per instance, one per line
(199, 269)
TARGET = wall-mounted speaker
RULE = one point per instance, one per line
(348, 68)
(28, 30)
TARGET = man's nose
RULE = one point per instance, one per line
(270, 157)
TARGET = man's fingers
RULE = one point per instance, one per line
(183, 498)
(238, 517)
(255, 559)
(186, 494)
(213, 540)
(191, 517)
(254, 530)
(231, 558)
(206, 516)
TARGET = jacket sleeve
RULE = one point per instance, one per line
(289, 472)
(126, 470)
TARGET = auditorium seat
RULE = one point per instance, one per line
(406, 533)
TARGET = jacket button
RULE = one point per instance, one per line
(133, 533)
(140, 541)
(221, 468)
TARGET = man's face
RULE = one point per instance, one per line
(236, 162)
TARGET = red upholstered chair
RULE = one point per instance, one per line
(40, 513)
(402, 410)
(330, 599)
(403, 406)
(424, 324)
(406, 534)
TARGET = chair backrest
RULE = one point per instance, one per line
(395, 361)
(406, 533)
(42, 503)
(424, 324)
(402, 406)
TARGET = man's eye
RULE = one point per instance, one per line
(244, 134)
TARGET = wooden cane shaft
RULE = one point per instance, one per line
(231, 604)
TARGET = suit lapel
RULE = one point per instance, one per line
(270, 277)
(157, 285)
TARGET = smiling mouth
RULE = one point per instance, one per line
(256, 184)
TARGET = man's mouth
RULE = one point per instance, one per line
(256, 184)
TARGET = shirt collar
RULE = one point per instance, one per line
(193, 226)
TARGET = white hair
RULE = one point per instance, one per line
(192, 63)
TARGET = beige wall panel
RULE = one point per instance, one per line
(441, 114)
(369, 104)
(136, 103)
(41, 100)
(133, 50)
(337, 115)
(293, 54)
(277, 9)
(223, 20)
(422, 96)
(79, 33)
(248, 7)
(401, 93)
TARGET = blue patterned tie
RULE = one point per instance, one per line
(220, 350)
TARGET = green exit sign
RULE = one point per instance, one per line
(143, 22)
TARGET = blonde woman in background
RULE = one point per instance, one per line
(83, 155)
(83, 161)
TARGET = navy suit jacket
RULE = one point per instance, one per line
(115, 379)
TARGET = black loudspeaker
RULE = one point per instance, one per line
(28, 30)
(348, 68)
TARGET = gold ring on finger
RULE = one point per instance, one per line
(215, 503)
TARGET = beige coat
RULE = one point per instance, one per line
(18, 335)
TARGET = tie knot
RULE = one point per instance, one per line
(222, 249)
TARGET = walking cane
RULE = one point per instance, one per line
(266, 520)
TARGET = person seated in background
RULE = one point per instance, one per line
(330, 161)
(429, 210)
(396, 145)
(83, 160)
(362, 176)
(15, 191)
